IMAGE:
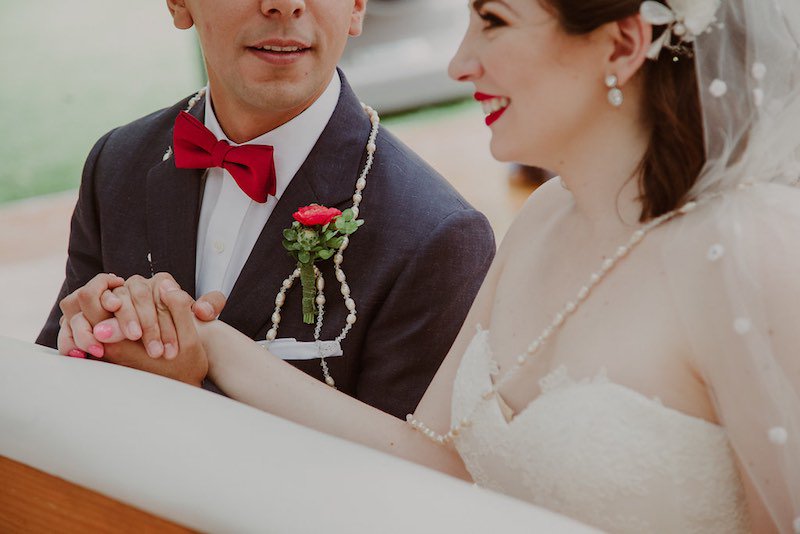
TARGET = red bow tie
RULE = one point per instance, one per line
(252, 166)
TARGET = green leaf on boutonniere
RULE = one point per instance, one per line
(317, 233)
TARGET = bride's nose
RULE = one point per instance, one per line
(465, 67)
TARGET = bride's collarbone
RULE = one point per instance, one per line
(626, 330)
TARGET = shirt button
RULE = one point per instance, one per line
(219, 247)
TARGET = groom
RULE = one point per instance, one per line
(413, 268)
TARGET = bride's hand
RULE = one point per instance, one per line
(137, 306)
(135, 303)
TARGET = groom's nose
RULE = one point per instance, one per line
(283, 8)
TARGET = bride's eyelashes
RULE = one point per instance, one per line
(488, 16)
(490, 20)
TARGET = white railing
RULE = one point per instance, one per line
(213, 464)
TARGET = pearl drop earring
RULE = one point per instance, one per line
(615, 96)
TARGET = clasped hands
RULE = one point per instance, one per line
(147, 324)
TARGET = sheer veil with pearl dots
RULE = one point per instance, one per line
(733, 264)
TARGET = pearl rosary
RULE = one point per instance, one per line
(338, 259)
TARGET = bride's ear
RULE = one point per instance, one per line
(631, 38)
(181, 16)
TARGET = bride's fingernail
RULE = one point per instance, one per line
(103, 331)
(134, 331)
(155, 349)
(170, 351)
(96, 351)
(75, 353)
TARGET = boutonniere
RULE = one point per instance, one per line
(320, 233)
(316, 234)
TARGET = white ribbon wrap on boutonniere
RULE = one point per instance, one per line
(685, 19)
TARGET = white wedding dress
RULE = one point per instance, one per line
(599, 452)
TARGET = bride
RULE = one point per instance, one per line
(631, 359)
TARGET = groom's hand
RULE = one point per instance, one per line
(107, 295)
(190, 365)
(143, 315)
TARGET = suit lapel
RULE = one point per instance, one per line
(173, 209)
(327, 177)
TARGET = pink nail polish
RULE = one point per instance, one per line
(103, 331)
(75, 353)
(96, 351)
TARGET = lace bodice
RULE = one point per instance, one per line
(599, 452)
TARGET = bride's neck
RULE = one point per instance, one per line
(601, 170)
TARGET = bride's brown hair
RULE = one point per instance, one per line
(676, 151)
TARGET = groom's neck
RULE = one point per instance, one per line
(247, 112)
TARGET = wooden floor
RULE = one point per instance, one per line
(34, 502)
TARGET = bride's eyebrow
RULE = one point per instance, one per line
(478, 4)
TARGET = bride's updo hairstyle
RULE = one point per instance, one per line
(675, 153)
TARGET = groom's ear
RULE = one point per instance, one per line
(357, 18)
(181, 16)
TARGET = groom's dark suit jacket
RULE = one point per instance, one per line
(414, 267)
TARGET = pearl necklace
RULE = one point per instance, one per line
(560, 318)
(338, 259)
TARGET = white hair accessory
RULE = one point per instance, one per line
(685, 19)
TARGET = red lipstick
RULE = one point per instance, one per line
(490, 104)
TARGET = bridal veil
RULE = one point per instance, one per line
(734, 263)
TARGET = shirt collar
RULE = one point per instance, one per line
(292, 141)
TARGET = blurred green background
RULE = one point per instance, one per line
(69, 75)
(71, 71)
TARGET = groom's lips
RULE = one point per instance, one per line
(280, 52)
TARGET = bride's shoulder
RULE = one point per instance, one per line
(539, 210)
(761, 210)
(751, 235)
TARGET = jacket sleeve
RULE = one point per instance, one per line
(424, 311)
(84, 259)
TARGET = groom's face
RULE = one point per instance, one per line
(270, 55)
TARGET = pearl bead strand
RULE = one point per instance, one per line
(338, 259)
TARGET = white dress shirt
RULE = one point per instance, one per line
(230, 221)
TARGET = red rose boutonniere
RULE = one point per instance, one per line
(317, 233)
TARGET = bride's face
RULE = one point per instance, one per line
(539, 86)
